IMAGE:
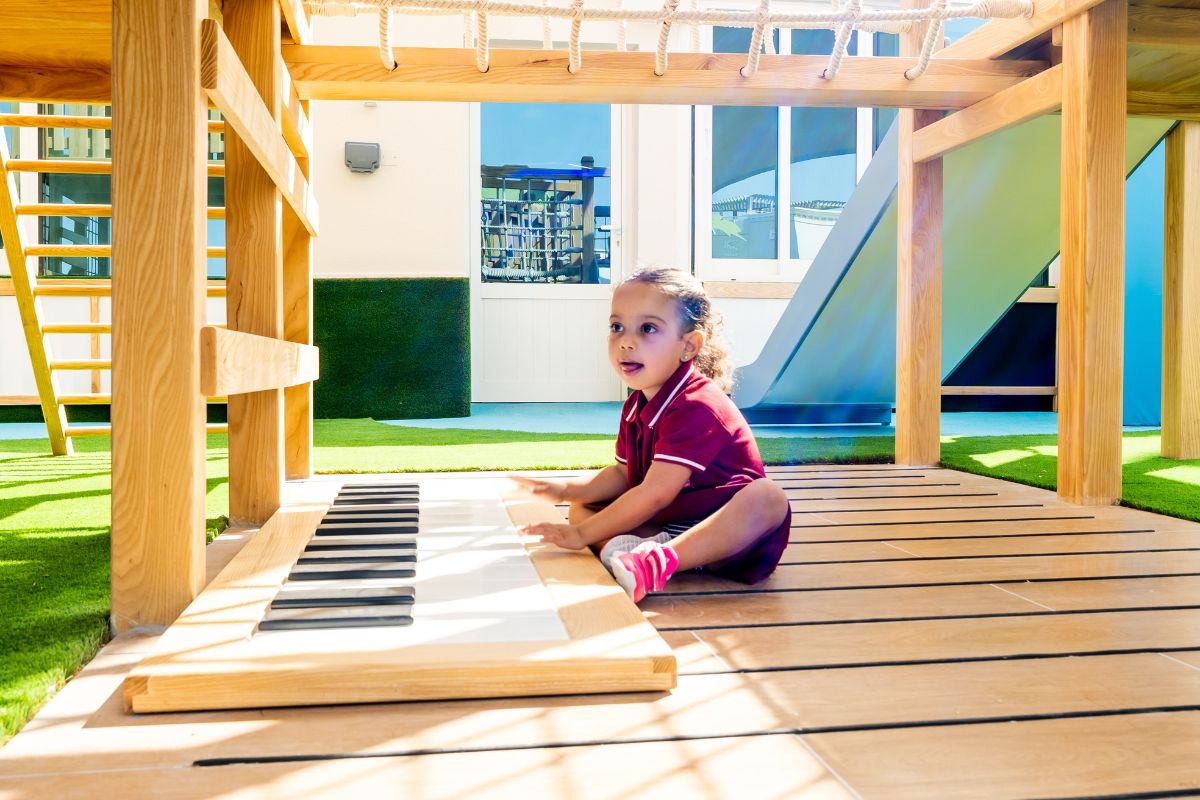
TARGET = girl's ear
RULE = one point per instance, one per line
(693, 343)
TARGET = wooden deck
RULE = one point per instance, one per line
(930, 634)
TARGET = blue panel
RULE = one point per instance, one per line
(1143, 291)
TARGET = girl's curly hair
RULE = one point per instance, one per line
(696, 313)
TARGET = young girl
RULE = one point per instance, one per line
(688, 490)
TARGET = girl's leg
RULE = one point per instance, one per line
(579, 512)
(750, 514)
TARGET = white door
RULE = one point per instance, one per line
(545, 255)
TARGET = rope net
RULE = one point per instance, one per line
(844, 17)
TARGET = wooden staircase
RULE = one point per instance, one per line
(29, 289)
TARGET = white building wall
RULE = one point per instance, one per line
(413, 216)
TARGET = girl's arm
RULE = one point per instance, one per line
(662, 484)
(604, 485)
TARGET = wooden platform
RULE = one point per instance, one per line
(930, 634)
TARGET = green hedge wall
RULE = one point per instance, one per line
(392, 348)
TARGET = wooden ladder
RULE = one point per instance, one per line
(29, 290)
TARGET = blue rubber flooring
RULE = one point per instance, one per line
(601, 418)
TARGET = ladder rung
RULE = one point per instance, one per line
(78, 327)
(88, 430)
(105, 430)
(84, 399)
(82, 363)
(55, 121)
(97, 287)
(80, 166)
(85, 210)
(90, 251)
(65, 121)
(106, 398)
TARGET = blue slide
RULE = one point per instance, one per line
(832, 356)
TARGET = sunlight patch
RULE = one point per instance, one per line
(1046, 450)
(1180, 474)
(1001, 457)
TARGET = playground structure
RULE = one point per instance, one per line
(1070, 57)
(1092, 61)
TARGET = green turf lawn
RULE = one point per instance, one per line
(54, 514)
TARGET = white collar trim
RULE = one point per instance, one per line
(674, 392)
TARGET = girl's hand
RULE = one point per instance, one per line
(555, 491)
(561, 534)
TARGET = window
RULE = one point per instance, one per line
(545, 204)
(754, 161)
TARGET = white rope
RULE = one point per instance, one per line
(932, 36)
(664, 33)
(694, 5)
(575, 57)
(385, 38)
(481, 35)
(843, 20)
(468, 31)
(756, 39)
(621, 27)
(842, 39)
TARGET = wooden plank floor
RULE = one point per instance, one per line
(930, 634)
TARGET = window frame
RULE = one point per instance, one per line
(782, 268)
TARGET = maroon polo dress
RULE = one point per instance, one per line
(691, 422)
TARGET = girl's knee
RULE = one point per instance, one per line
(767, 496)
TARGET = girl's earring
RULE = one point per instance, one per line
(686, 356)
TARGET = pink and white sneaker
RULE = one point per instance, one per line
(644, 569)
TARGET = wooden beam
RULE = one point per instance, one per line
(231, 89)
(1030, 98)
(298, 327)
(297, 130)
(1165, 28)
(86, 210)
(918, 286)
(995, 38)
(1091, 282)
(540, 76)
(1039, 294)
(1173, 105)
(771, 290)
(298, 24)
(1000, 391)
(158, 411)
(1181, 295)
(236, 363)
(254, 246)
(55, 84)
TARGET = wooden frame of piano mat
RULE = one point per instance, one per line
(206, 659)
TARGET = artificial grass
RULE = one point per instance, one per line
(54, 513)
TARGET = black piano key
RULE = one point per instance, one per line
(322, 597)
(365, 529)
(413, 487)
(335, 572)
(346, 557)
(324, 623)
(376, 499)
(366, 544)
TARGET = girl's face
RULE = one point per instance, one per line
(645, 341)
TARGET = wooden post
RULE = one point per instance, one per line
(1091, 286)
(918, 287)
(298, 327)
(254, 271)
(158, 294)
(1181, 295)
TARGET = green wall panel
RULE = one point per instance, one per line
(393, 348)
